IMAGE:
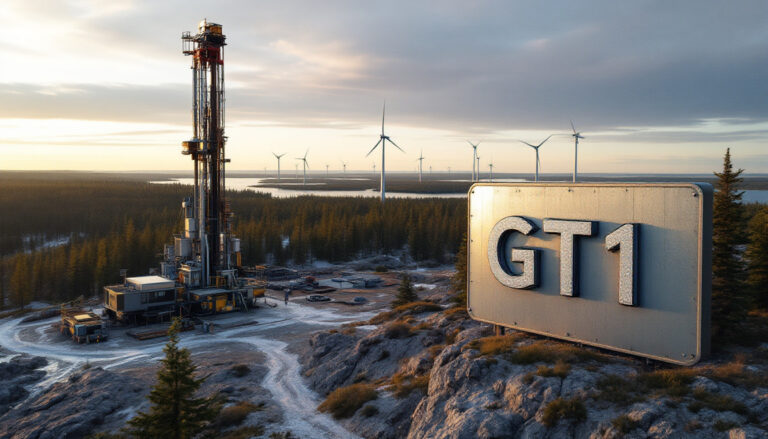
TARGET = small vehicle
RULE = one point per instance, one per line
(359, 299)
(318, 298)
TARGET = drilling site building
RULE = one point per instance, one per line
(200, 270)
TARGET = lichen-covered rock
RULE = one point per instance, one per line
(75, 407)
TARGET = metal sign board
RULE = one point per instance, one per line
(625, 267)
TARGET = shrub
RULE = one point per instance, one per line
(624, 424)
(560, 370)
(236, 414)
(345, 401)
(564, 409)
(493, 406)
(240, 370)
(381, 269)
(398, 330)
(369, 410)
(672, 382)
(403, 385)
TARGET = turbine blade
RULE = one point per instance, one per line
(383, 111)
(392, 142)
(532, 146)
(374, 147)
(573, 127)
(544, 141)
(305, 154)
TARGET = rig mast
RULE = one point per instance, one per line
(207, 236)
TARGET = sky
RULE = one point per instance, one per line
(654, 86)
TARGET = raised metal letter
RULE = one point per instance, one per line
(569, 250)
(624, 239)
(500, 263)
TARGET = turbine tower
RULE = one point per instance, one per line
(383, 139)
(478, 168)
(374, 169)
(278, 157)
(536, 147)
(326, 170)
(306, 166)
(344, 166)
(421, 160)
(490, 175)
(576, 136)
(474, 158)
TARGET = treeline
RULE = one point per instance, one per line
(109, 225)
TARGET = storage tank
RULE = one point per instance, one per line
(183, 247)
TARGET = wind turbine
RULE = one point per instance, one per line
(420, 160)
(474, 158)
(478, 169)
(490, 166)
(326, 170)
(374, 169)
(344, 166)
(278, 166)
(536, 147)
(430, 169)
(306, 166)
(383, 139)
(576, 136)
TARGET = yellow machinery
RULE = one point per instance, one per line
(82, 326)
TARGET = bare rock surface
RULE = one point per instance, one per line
(474, 395)
(17, 373)
(73, 408)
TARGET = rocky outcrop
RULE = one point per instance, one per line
(15, 375)
(73, 408)
(491, 395)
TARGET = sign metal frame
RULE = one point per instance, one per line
(480, 224)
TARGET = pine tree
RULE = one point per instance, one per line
(728, 307)
(460, 278)
(757, 255)
(405, 293)
(175, 412)
(21, 286)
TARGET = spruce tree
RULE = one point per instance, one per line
(728, 307)
(459, 279)
(405, 293)
(757, 257)
(175, 412)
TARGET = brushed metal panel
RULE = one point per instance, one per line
(670, 318)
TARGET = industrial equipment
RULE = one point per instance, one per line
(201, 271)
(82, 326)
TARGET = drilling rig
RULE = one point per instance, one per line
(199, 272)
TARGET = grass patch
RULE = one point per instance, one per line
(345, 401)
(369, 410)
(669, 382)
(398, 330)
(624, 424)
(561, 370)
(723, 426)
(404, 385)
(450, 338)
(457, 313)
(716, 402)
(422, 326)
(236, 414)
(494, 344)
(735, 374)
(561, 408)
(241, 433)
(493, 406)
(544, 351)
(240, 370)
(404, 310)
(693, 425)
